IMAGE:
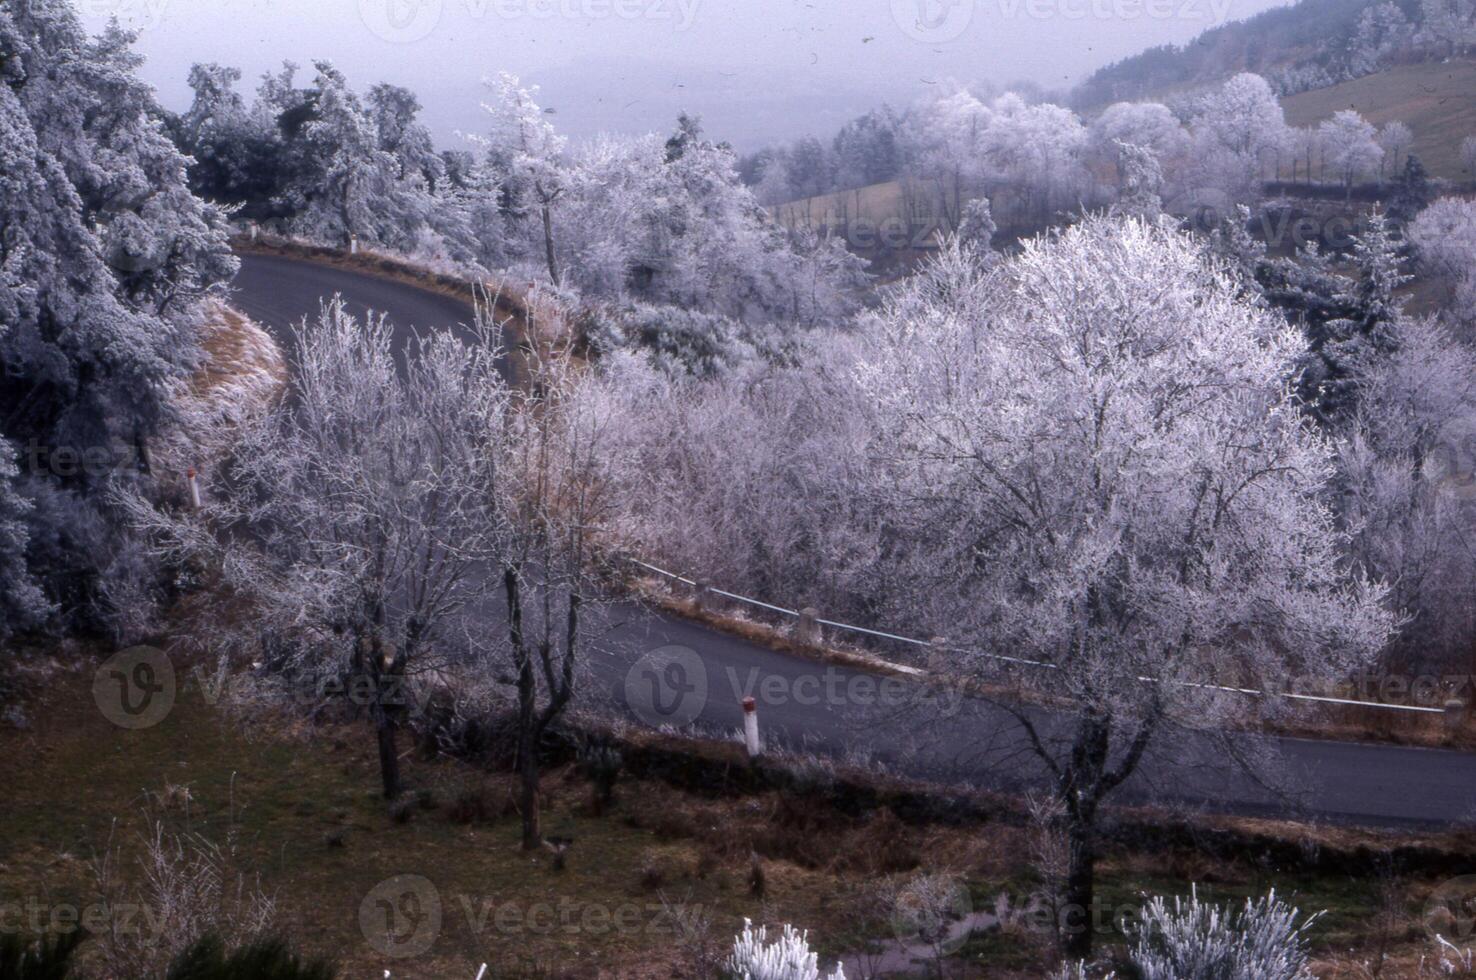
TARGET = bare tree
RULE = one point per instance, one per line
(549, 503)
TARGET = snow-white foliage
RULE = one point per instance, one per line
(1139, 544)
(367, 489)
(1194, 940)
(788, 957)
(955, 417)
(1405, 469)
(105, 260)
(977, 227)
(1395, 138)
(632, 219)
(1158, 138)
(1444, 237)
(1351, 144)
(1239, 134)
(965, 146)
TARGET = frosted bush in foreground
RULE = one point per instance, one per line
(786, 958)
(1194, 940)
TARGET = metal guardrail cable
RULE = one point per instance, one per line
(913, 641)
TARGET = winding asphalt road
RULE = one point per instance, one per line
(669, 670)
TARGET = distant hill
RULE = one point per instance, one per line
(1307, 45)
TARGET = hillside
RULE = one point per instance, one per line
(1309, 33)
(1436, 100)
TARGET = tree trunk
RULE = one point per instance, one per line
(389, 757)
(528, 727)
(529, 802)
(1076, 927)
(548, 244)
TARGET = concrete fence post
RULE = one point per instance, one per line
(808, 630)
(1455, 714)
(702, 597)
(937, 655)
(751, 729)
(194, 481)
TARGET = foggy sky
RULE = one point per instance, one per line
(755, 70)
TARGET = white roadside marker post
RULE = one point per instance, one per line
(353, 244)
(194, 482)
(808, 630)
(1455, 715)
(750, 728)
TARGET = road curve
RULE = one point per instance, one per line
(845, 713)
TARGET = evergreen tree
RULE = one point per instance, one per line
(1342, 347)
(1412, 192)
(688, 133)
(104, 258)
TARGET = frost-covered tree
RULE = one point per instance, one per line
(549, 504)
(774, 186)
(353, 186)
(395, 111)
(946, 145)
(357, 522)
(1150, 126)
(1238, 132)
(1040, 147)
(1405, 475)
(1142, 181)
(1395, 139)
(237, 156)
(977, 228)
(1412, 192)
(1444, 238)
(685, 231)
(1304, 147)
(788, 957)
(22, 603)
(528, 154)
(106, 256)
(1092, 459)
(811, 170)
(1382, 28)
(1352, 146)
(867, 150)
(1342, 347)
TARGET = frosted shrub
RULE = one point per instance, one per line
(787, 958)
(1194, 940)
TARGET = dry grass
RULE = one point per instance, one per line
(1437, 100)
(298, 804)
